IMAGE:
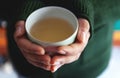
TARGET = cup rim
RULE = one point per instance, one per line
(47, 42)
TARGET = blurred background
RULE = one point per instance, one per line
(112, 71)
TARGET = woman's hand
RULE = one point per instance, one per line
(37, 56)
(34, 54)
(71, 53)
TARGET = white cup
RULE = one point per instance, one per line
(52, 11)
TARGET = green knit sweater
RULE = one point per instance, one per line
(95, 58)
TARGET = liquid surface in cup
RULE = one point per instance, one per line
(51, 30)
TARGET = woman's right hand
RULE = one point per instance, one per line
(34, 54)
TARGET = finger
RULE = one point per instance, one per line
(55, 67)
(23, 42)
(84, 28)
(20, 29)
(45, 59)
(30, 47)
(83, 25)
(40, 65)
(57, 60)
(74, 48)
(38, 61)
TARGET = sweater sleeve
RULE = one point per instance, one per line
(28, 7)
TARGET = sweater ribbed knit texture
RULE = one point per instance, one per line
(95, 57)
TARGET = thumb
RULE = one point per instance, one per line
(84, 27)
(20, 29)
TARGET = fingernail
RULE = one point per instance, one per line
(62, 52)
(38, 53)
